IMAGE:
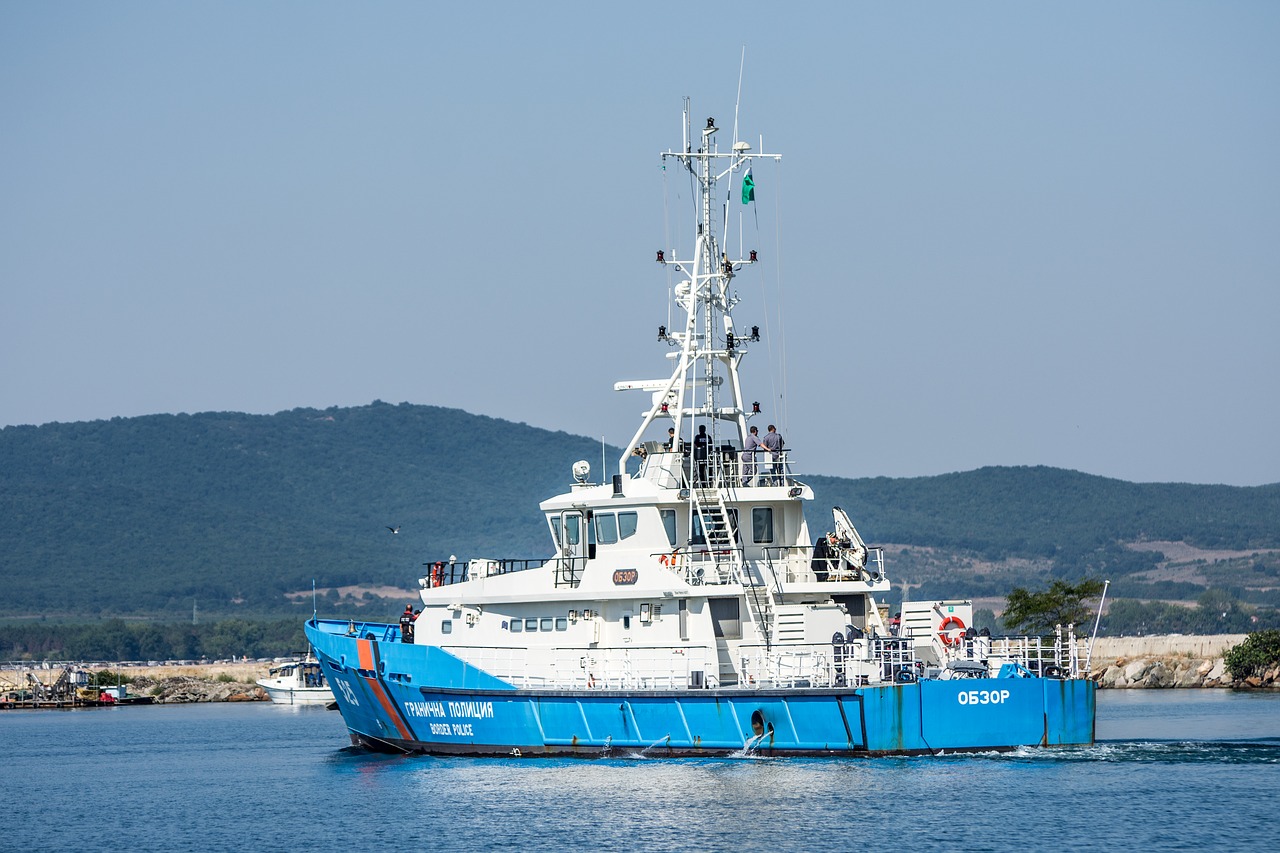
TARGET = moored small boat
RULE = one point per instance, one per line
(297, 683)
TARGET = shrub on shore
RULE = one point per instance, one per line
(109, 678)
(1259, 652)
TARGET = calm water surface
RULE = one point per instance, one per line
(1173, 770)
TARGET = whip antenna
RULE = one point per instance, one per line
(738, 101)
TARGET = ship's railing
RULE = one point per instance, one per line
(568, 570)
(872, 660)
(728, 467)
(698, 565)
(380, 631)
(639, 668)
(804, 564)
(1062, 655)
(851, 663)
(854, 662)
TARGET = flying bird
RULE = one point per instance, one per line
(395, 529)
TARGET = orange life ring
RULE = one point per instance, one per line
(437, 573)
(947, 623)
(669, 560)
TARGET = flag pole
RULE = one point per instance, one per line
(1088, 658)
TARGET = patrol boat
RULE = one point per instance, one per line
(687, 609)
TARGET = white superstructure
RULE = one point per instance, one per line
(699, 570)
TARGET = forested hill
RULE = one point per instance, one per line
(148, 515)
(1051, 513)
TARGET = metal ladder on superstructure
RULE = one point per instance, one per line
(726, 554)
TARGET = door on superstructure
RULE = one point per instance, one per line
(573, 545)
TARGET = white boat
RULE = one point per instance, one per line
(686, 609)
(297, 683)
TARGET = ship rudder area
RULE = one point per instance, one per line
(1069, 706)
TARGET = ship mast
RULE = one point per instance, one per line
(710, 349)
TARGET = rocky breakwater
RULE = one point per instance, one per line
(1156, 672)
(1170, 661)
(226, 682)
(189, 688)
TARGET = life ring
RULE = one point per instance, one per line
(670, 560)
(947, 624)
(437, 574)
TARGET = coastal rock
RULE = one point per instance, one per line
(1158, 675)
(1218, 672)
(1111, 677)
(1135, 671)
(1192, 672)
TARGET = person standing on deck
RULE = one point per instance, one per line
(701, 450)
(749, 456)
(773, 443)
(406, 624)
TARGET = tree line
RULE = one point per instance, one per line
(117, 640)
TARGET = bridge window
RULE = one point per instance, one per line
(626, 525)
(762, 524)
(546, 624)
(517, 625)
(446, 626)
(606, 528)
(669, 524)
(531, 624)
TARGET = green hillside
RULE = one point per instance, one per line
(229, 512)
(148, 515)
(979, 533)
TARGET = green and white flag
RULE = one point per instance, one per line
(748, 188)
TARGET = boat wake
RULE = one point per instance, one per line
(1261, 751)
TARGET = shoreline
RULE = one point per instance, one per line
(1118, 663)
(167, 683)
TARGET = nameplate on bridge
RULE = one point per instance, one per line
(625, 577)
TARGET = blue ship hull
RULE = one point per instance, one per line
(409, 698)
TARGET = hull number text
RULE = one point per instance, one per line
(983, 697)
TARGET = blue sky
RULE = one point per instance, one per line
(1001, 234)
